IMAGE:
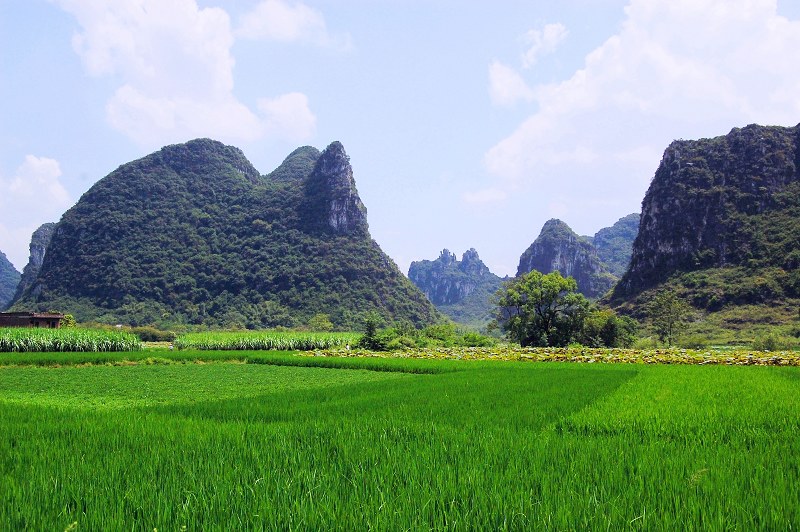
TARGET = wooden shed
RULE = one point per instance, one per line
(44, 320)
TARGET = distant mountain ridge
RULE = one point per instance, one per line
(460, 289)
(614, 244)
(721, 222)
(559, 248)
(194, 234)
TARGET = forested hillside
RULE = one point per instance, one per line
(194, 234)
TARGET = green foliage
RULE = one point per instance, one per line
(265, 340)
(9, 279)
(151, 334)
(320, 322)
(192, 235)
(21, 340)
(771, 341)
(667, 313)
(68, 321)
(604, 328)
(693, 341)
(614, 244)
(596, 447)
(540, 310)
(405, 337)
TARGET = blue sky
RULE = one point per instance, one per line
(468, 124)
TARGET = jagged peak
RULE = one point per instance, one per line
(447, 257)
(471, 255)
(332, 200)
(334, 160)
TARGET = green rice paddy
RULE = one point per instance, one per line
(206, 441)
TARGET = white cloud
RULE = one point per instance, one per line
(506, 86)
(543, 42)
(676, 69)
(174, 66)
(289, 116)
(33, 196)
(281, 21)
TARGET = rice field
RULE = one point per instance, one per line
(281, 442)
(266, 340)
(22, 340)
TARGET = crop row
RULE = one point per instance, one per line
(586, 355)
(20, 340)
(266, 341)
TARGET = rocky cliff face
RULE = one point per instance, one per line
(730, 202)
(9, 279)
(460, 289)
(332, 201)
(558, 248)
(39, 242)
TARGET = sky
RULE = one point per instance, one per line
(468, 124)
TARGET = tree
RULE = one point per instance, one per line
(604, 328)
(320, 322)
(68, 321)
(541, 310)
(668, 312)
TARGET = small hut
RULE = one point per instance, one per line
(44, 320)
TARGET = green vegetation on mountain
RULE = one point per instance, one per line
(9, 279)
(460, 289)
(614, 244)
(194, 234)
(720, 226)
(558, 248)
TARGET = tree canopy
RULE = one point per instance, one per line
(541, 310)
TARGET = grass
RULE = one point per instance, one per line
(266, 340)
(23, 340)
(287, 444)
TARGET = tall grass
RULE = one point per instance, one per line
(266, 340)
(489, 446)
(23, 340)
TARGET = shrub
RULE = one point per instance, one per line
(693, 341)
(151, 334)
(770, 342)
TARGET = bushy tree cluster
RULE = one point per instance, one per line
(541, 310)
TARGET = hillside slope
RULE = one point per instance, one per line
(194, 234)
